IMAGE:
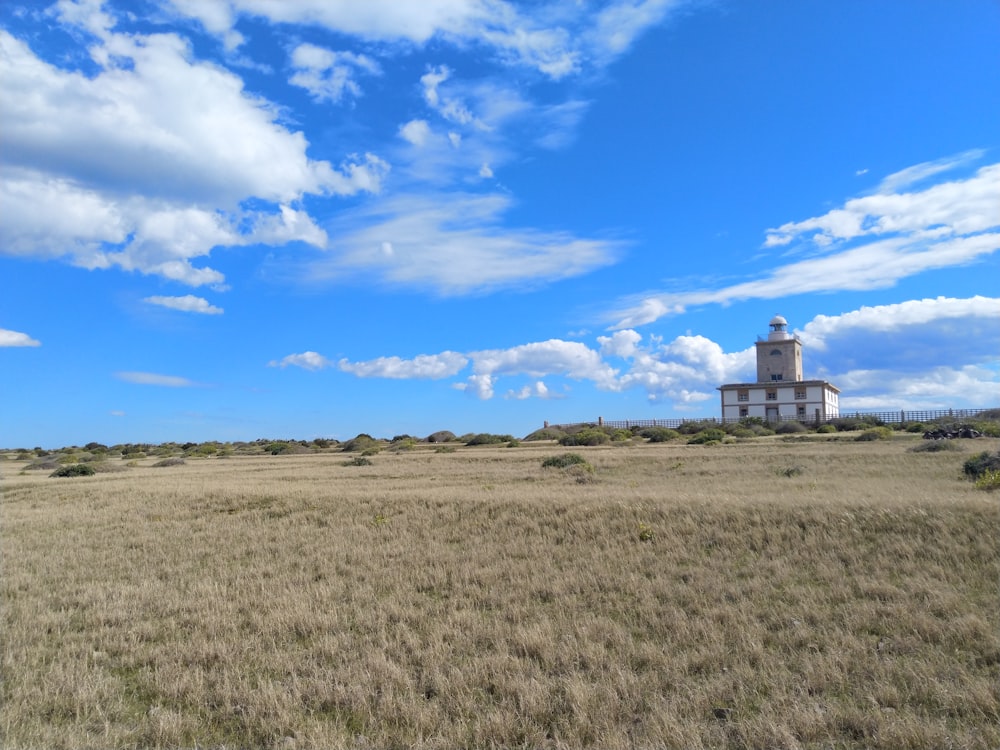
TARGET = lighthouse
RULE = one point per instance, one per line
(781, 392)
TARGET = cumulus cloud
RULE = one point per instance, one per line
(152, 161)
(305, 360)
(538, 390)
(870, 243)
(187, 303)
(16, 338)
(150, 378)
(424, 366)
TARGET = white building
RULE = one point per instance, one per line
(780, 393)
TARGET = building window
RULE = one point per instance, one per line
(743, 395)
(776, 376)
(776, 352)
(802, 412)
(772, 395)
(744, 412)
(800, 393)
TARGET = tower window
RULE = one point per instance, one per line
(776, 376)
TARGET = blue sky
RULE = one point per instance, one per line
(234, 219)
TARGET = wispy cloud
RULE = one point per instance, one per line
(453, 245)
(151, 378)
(16, 338)
(870, 243)
(187, 303)
(328, 74)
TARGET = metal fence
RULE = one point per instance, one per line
(886, 417)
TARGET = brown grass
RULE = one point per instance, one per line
(768, 594)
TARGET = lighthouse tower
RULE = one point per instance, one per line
(779, 356)
(780, 392)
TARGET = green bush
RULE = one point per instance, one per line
(659, 434)
(875, 433)
(988, 481)
(936, 446)
(169, 462)
(441, 436)
(563, 460)
(74, 470)
(586, 436)
(743, 433)
(488, 438)
(981, 463)
(360, 442)
(825, 429)
(358, 461)
(712, 435)
(789, 428)
(693, 428)
(545, 433)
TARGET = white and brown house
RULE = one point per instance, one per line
(780, 392)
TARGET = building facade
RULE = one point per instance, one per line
(780, 392)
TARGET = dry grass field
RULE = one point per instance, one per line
(771, 593)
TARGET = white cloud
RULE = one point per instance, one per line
(919, 172)
(557, 40)
(16, 338)
(943, 387)
(619, 344)
(553, 357)
(870, 243)
(957, 208)
(415, 131)
(187, 303)
(453, 244)
(424, 366)
(485, 172)
(891, 318)
(305, 360)
(147, 164)
(150, 378)
(538, 390)
(329, 74)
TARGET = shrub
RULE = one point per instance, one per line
(360, 442)
(711, 435)
(788, 428)
(586, 436)
(936, 446)
(825, 429)
(563, 460)
(74, 470)
(875, 433)
(743, 433)
(693, 428)
(981, 463)
(620, 435)
(546, 433)
(441, 436)
(169, 462)
(989, 481)
(488, 438)
(358, 461)
(659, 434)
(847, 424)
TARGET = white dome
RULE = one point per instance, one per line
(777, 320)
